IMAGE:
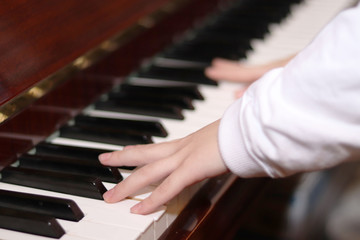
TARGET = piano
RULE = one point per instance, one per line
(78, 78)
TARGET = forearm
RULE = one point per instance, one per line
(303, 117)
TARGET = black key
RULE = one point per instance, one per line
(29, 222)
(237, 26)
(207, 45)
(50, 206)
(89, 187)
(254, 14)
(45, 148)
(190, 91)
(248, 15)
(122, 138)
(281, 9)
(74, 153)
(222, 43)
(206, 51)
(189, 75)
(153, 128)
(140, 108)
(248, 31)
(212, 34)
(206, 37)
(68, 165)
(264, 11)
(149, 97)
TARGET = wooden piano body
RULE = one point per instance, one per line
(57, 57)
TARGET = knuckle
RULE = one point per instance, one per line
(145, 171)
(162, 189)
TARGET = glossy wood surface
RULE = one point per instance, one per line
(208, 216)
(57, 46)
(155, 39)
(315, 205)
(40, 37)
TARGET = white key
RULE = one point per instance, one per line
(297, 31)
(13, 235)
(100, 218)
(95, 211)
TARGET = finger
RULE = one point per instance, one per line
(221, 62)
(141, 178)
(167, 190)
(139, 155)
(220, 68)
(234, 72)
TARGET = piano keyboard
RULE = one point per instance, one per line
(98, 220)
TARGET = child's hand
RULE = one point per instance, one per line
(178, 163)
(233, 71)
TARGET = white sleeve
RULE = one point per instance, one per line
(303, 117)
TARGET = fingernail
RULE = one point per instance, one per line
(107, 195)
(104, 156)
(137, 208)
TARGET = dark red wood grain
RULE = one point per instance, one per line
(204, 218)
(37, 38)
(40, 37)
(155, 39)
